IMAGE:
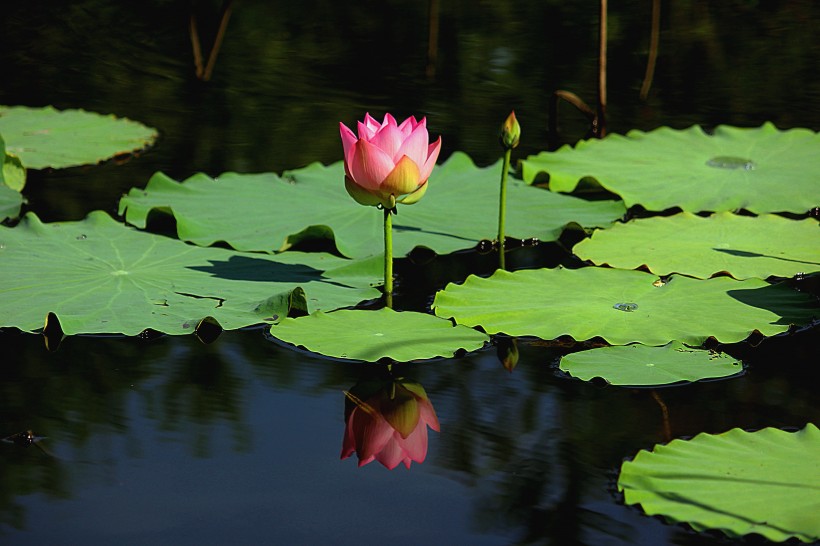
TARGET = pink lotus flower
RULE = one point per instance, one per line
(390, 426)
(388, 163)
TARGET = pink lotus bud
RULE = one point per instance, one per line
(388, 163)
(388, 425)
(510, 132)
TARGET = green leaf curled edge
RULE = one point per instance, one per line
(765, 482)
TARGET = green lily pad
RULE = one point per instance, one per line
(623, 306)
(373, 335)
(11, 182)
(12, 173)
(765, 482)
(263, 212)
(46, 137)
(639, 365)
(701, 247)
(99, 276)
(461, 208)
(761, 169)
(10, 202)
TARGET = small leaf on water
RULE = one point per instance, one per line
(643, 366)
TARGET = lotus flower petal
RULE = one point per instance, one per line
(370, 165)
(361, 195)
(391, 426)
(389, 139)
(348, 141)
(403, 179)
(426, 168)
(415, 146)
(411, 198)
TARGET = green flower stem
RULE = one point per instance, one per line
(388, 258)
(502, 207)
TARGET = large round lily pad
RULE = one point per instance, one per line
(639, 365)
(373, 335)
(99, 276)
(760, 169)
(458, 211)
(47, 137)
(623, 306)
(744, 247)
(765, 482)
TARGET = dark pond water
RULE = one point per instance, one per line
(172, 441)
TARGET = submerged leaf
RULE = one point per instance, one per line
(765, 482)
(760, 169)
(623, 306)
(373, 335)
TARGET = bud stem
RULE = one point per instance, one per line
(502, 207)
(388, 258)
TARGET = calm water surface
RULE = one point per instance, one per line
(172, 441)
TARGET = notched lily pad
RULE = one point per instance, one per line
(373, 335)
(47, 137)
(639, 365)
(623, 306)
(743, 246)
(99, 276)
(765, 482)
(265, 212)
(260, 212)
(760, 169)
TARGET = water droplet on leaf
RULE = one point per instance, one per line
(731, 162)
(485, 246)
(628, 307)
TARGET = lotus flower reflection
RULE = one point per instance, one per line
(388, 163)
(388, 425)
